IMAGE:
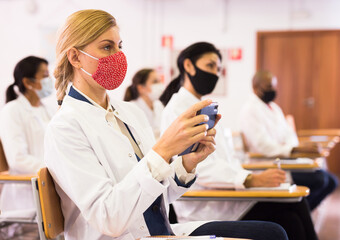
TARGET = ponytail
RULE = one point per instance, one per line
(139, 78)
(10, 93)
(171, 89)
(131, 93)
(193, 52)
(25, 68)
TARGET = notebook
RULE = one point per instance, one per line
(228, 186)
(296, 161)
(283, 187)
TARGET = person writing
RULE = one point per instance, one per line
(114, 181)
(145, 90)
(199, 66)
(267, 132)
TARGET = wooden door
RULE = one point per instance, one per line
(307, 65)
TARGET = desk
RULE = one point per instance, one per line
(325, 142)
(5, 177)
(262, 164)
(319, 132)
(186, 238)
(240, 195)
(324, 153)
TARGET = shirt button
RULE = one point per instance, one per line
(138, 142)
(141, 228)
(130, 155)
(117, 113)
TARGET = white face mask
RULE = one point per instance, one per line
(46, 87)
(156, 91)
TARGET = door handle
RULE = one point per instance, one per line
(310, 102)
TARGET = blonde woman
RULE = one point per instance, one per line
(114, 181)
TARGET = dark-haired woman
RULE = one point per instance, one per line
(145, 90)
(22, 127)
(199, 66)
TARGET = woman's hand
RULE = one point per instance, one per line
(206, 147)
(183, 132)
(267, 178)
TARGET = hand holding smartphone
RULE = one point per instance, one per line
(211, 111)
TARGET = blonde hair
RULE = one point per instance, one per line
(80, 29)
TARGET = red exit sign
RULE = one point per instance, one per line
(235, 53)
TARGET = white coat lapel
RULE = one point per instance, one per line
(133, 125)
(91, 110)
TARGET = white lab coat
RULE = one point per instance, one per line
(22, 129)
(219, 168)
(153, 115)
(104, 190)
(265, 128)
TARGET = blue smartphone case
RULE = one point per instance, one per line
(211, 111)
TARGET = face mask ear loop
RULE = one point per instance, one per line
(89, 55)
(86, 72)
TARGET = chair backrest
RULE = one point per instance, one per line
(291, 121)
(3, 161)
(52, 216)
(244, 141)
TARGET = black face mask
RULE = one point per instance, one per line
(268, 96)
(203, 82)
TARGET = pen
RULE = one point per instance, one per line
(278, 162)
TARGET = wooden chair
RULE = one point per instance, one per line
(10, 217)
(3, 162)
(5, 177)
(49, 214)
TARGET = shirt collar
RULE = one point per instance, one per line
(262, 103)
(109, 107)
(183, 92)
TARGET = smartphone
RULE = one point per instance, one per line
(211, 111)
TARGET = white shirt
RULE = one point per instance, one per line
(265, 128)
(153, 115)
(22, 129)
(219, 168)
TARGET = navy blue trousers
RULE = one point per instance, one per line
(255, 230)
(293, 217)
(321, 183)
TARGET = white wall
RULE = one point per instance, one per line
(28, 27)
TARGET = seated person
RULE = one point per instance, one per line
(145, 90)
(22, 127)
(267, 132)
(113, 180)
(199, 66)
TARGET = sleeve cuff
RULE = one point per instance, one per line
(183, 176)
(158, 167)
(287, 150)
(185, 185)
(240, 178)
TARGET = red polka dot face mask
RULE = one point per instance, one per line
(111, 70)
